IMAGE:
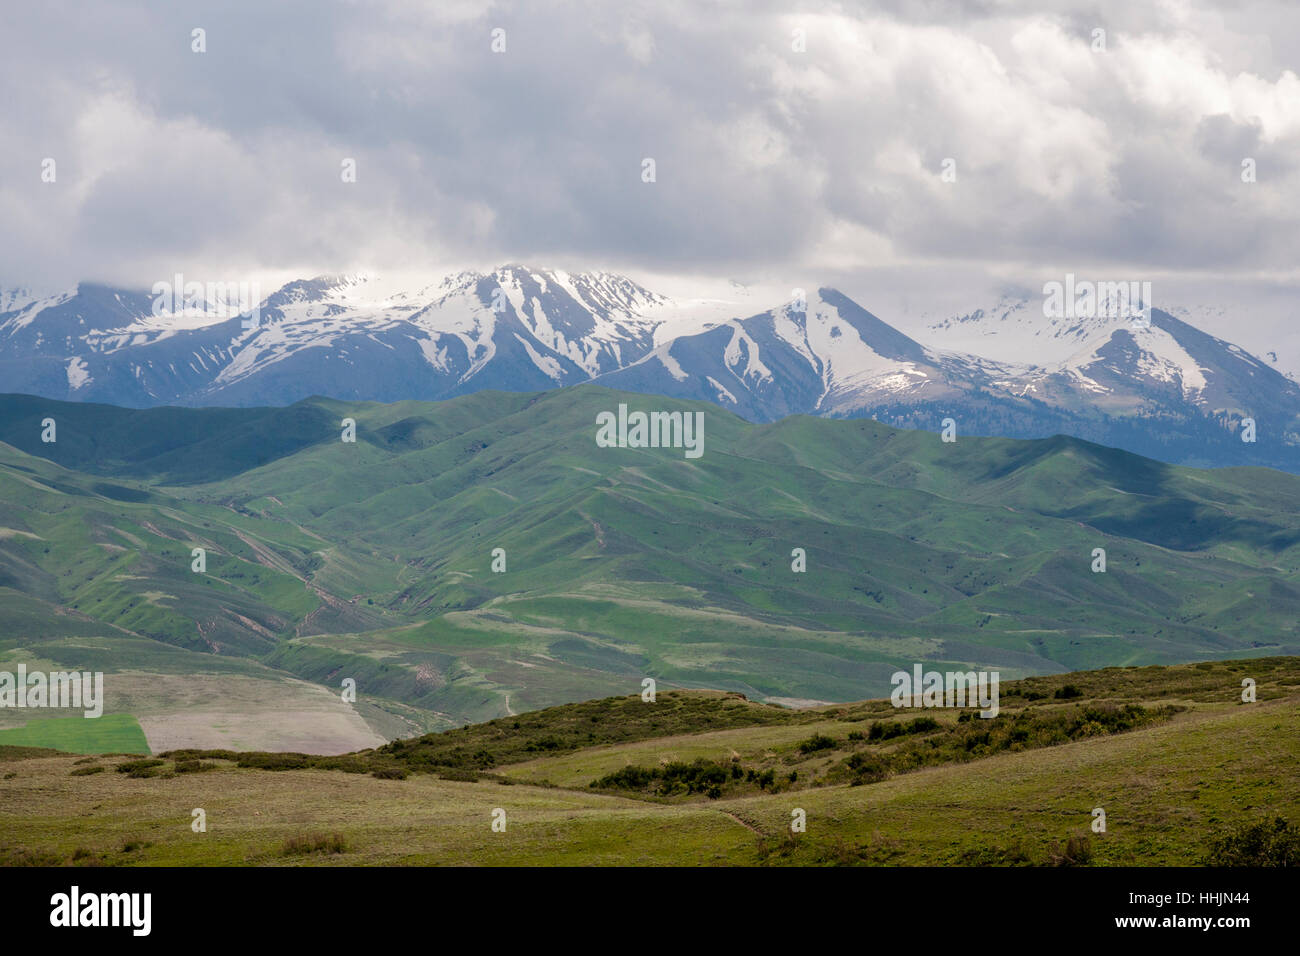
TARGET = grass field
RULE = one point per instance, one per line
(1170, 787)
(111, 733)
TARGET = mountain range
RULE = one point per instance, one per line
(1166, 390)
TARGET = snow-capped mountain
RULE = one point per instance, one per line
(1113, 363)
(347, 336)
(1165, 389)
(825, 356)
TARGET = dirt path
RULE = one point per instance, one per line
(744, 823)
(154, 529)
(268, 558)
(600, 532)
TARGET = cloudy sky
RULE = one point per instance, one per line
(793, 143)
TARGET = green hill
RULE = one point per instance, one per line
(328, 560)
(1183, 770)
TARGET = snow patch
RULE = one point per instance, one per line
(549, 366)
(722, 392)
(78, 373)
(754, 367)
(435, 356)
(665, 356)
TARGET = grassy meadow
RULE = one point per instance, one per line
(1200, 767)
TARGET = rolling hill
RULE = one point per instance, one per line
(708, 778)
(373, 560)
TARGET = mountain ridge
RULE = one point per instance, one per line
(1165, 390)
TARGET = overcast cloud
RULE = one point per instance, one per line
(769, 161)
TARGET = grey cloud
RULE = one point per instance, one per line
(230, 159)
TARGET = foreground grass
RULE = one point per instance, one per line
(1168, 787)
(1167, 790)
(758, 746)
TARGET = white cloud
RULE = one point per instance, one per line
(770, 160)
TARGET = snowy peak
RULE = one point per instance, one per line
(60, 324)
(883, 339)
(823, 355)
(600, 294)
(1110, 356)
(514, 327)
(852, 351)
(1125, 357)
(595, 321)
(18, 299)
(1158, 387)
(1015, 331)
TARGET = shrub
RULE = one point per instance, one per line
(458, 775)
(21, 856)
(131, 766)
(86, 771)
(887, 730)
(194, 766)
(1076, 852)
(268, 761)
(1014, 855)
(1256, 844)
(866, 768)
(629, 778)
(545, 743)
(307, 844)
(1068, 692)
(815, 743)
(138, 769)
(701, 776)
(190, 754)
(679, 778)
(348, 764)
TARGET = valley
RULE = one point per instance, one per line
(373, 561)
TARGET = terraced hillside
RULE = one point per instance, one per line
(373, 560)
